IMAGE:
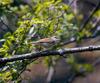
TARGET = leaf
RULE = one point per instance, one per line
(2, 40)
(57, 2)
(97, 14)
(65, 7)
(7, 35)
(88, 67)
(70, 17)
(31, 30)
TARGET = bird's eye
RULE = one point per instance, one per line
(55, 37)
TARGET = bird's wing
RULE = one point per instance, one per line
(45, 40)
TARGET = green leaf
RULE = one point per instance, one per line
(7, 35)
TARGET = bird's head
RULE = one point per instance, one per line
(55, 38)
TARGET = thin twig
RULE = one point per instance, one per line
(90, 16)
(24, 68)
(51, 70)
(8, 28)
(73, 39)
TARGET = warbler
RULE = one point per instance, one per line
(47, 42)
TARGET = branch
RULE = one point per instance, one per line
(8, 28)
(90, 16)
(73, 39)
(49, 53)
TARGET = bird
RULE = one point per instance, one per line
(47, 42)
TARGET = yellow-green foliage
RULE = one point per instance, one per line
(47, 18)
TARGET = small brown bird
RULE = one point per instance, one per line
(47, 42)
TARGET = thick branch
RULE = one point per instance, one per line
(50, 53)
